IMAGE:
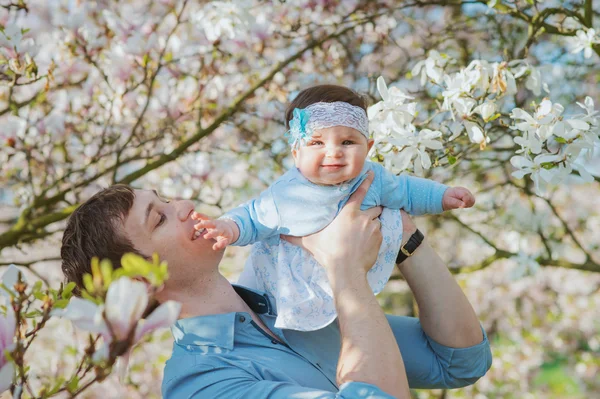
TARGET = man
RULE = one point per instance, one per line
(226, 345)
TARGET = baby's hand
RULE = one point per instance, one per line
(224, 231)
(457, 197)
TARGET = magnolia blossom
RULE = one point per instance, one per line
(8, 326)
(476, 134)
(536, 167)
(486, 110)
(542, 121)
(9, 279)
(392, 110)
(525, 265)
(534, 81)
(414, 146)
(432, 67)
(584, 41)
(503, 80)
(458, 86)
(12, 42)
(120, 318)
(223, 19)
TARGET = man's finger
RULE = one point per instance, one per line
(356, 199)
(374, 212)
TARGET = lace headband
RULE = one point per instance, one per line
(323, 115)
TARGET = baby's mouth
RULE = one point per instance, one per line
(197, 234)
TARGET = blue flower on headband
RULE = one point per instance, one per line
(299, 130)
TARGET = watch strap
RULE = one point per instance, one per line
(410, 246)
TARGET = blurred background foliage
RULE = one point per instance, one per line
(188, 97)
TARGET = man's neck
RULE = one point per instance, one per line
(211, 295)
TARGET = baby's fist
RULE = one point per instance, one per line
(457, 197)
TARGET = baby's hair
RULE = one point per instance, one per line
(326, 94)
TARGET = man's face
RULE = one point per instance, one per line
(165, 227)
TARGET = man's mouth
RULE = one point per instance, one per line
(197, 234)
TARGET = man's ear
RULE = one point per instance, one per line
(370, 143)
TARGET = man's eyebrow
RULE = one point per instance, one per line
(149, 208)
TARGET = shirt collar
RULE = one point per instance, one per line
(219, 329)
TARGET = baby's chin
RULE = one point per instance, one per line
(324, 181)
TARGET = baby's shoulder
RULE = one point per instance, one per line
(377, 169)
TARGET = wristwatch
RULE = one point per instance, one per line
(410, 246)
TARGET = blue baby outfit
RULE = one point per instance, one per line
(295, 206)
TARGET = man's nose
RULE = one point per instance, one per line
(184, 208)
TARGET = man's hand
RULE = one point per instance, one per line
(457, 197)
(351, 241)
(224, 231)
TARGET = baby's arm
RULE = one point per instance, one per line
(256, 220)
(224, 231)
(420, 196)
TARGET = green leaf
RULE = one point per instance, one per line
(73, 384)
(451, 159)
(37, 286)
(57, 385)
(88, 283)
(39, 295)
(34, 313)
(494, 117)
(560, 140)
(548, 165)
(556, 378)
(106, 270)
(67, 291)
(61, 303)
(133, 263)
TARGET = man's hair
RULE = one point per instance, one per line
(326, 94)
(95, 229)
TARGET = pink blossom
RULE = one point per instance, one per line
(8, 326)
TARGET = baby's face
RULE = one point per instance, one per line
(333, 155)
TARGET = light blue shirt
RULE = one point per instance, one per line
(228, 356)
(294, 206)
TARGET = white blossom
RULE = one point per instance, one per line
(525, 265)
(584, 40)
(540, 174)
(432, 67)
(486, 110)
(223, 19)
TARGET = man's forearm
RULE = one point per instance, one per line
(444, 311)
(369, 352)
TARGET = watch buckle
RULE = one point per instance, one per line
(405, 251)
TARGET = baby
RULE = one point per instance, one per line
(330, 141)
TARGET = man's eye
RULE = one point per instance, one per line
(161, 220)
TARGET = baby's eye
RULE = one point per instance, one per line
(315, 142)
(348, 142)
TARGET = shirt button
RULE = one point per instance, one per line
(242, 319)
